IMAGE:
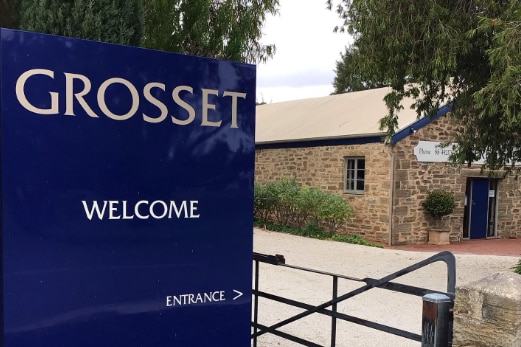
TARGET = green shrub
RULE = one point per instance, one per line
(333, 212)
(312, 228)
(439, 203)
(277, 199)
(285, 194)
(287, 204)
(308, 203)
(354, 239)
(517, 268)
(264, 201)
(313, 231)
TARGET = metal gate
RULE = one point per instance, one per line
(329, 308)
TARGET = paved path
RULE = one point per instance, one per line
(389, 308)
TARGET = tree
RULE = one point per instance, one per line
(464, 52)
(8, 18)
(350, 77)
(115, 21)
(223, 29)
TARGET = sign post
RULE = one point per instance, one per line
(126, 195)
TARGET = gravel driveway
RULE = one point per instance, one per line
(394, 309)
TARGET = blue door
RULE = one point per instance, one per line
(479, 208)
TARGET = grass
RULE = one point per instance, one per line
(313, 231)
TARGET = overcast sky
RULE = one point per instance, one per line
(307, 50)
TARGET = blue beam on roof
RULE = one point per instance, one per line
(400, 135)
(420, 123)
(321, 142)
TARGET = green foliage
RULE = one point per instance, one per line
(285, 193)
(312, 228)
(226, 29)
(115, 21)
(355, 239)
(441, 51)
(517, 268)
(8, 13)
(313, 231)
(264, 200)
(328, 210)
(439, 203)
(333, 212)
(308, 204)
(277, 227)
(288, 204)
(350, 77)
(304, 203)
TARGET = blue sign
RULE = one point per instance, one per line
(126, 195)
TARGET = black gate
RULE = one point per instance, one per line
(329, 308)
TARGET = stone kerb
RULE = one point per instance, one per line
(488, 312)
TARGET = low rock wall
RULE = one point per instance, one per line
(488, 312)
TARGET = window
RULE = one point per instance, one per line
(354, 181)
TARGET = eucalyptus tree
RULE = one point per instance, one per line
(223, 29)
(463, 52)
(115, 21)
(350, 77)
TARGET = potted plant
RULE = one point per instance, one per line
(439, 203)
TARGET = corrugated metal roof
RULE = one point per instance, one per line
(348, 115)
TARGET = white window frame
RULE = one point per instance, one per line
(354, 173)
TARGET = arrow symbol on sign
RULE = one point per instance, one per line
(239, 294)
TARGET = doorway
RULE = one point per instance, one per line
(479, 219)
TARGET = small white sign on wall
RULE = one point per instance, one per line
(433, 152)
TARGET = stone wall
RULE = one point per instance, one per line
(509, 208)
(488, 312)
(323, 167)
(413, 179)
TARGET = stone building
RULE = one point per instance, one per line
(334, 143)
